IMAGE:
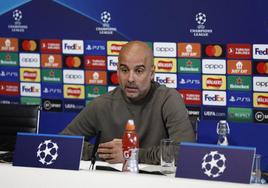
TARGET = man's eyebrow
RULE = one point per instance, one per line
(140, 66)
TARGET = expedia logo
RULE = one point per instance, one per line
(215, 98)
(72, 46)
(260, 51)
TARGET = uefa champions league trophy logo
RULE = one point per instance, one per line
(223, 130)
(47, 152)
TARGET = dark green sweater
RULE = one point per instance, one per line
(161, 114)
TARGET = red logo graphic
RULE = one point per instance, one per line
(50, 46)
(166, 65)
(214, 82)
(31, 75)
(29, 45)
(9, 88)
(95, 62)
(213, 50)
(114, 78)
(191, 97)
(262, 67)
(115, 48)
(241, 51)
(76, 92)
(262, 100)
(73, 62)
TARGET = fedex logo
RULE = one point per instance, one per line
(30, 89)
(72, 46)
(112, 62)
(189, 81)
(170, 80)
(239, 99)
(95, 47)
(260, 51)
(214, 98)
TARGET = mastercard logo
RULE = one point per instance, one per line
(73, 62)
(262, 67)
(213, 50)
(29, 45)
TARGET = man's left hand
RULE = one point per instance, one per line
(111, 152)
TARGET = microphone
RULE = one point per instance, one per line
(94, 152)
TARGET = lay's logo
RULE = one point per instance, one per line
(74, 91)
(30, 75)
(260, 100)
(165, 64)
(114, 47)
(214, 82)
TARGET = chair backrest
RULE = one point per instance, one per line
(17, 118)
(194, 121)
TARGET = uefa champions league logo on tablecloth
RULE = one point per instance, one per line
(47, 152)
(213, 164)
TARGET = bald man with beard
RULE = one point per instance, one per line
(158, 111)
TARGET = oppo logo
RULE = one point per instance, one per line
(164, 49)
(29, 60)
(214, 66)
(73, 76)
(262, 84)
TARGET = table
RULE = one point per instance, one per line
(14, 177)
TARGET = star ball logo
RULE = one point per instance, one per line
(201, 31)
(106, 18)
(17, 15)
(47, 152)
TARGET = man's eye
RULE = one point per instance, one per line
(139, 71)
(123, 70)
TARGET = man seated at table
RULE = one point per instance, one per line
(158, 112)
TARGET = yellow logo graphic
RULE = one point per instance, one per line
(165, 64)
(260, 100)
(29, 75)
(74, 91)
(214, 82)
(114, 47)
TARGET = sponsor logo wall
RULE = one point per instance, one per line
(222, 80)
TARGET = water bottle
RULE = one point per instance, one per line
(130, 144)
(223, 130)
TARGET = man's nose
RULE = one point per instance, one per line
(131, 76)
